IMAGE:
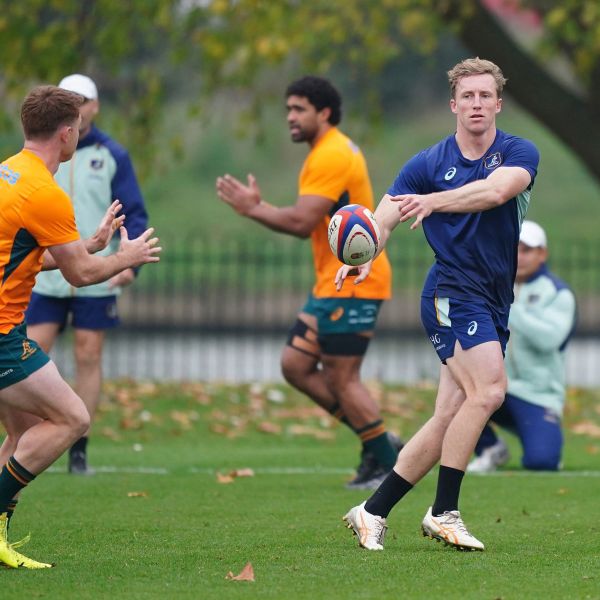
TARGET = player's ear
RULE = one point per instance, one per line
(325, 113)
(64, 132)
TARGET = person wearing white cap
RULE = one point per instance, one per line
(542, 320)
(99, 172)
(40, 412)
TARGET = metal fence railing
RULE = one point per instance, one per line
(221, 309)
(258, 286)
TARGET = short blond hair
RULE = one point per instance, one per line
(475, 66)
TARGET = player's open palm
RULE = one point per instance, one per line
(241, 197)
(140, 250)
(413, 205)
(111, 221)
(361, 272)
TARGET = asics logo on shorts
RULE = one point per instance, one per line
(472, 328)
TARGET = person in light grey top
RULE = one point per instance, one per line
(542, 321)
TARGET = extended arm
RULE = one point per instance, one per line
(298, 220)
(502, 185)
(109, 224)
(80, 268)
(387, 217)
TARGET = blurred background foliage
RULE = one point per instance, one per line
(194, 87)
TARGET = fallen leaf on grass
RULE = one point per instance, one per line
(137, 494)
(229, 477)
(312, 431)
(242, 473)
(588, 428)
(182, 418)
(224, 478)
(592, 449)
(130, 424)
(110, 433)
(298, 412)
(268, 427)
(219, 428)
(246, 574)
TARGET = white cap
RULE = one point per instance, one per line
(532, 235)
(80, 84)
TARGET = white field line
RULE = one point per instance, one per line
(314, 471)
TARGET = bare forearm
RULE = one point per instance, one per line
(502, 185)
(387, 217)
(282, 219)
(97, 269)
(48, 262)
(473, 197)
(91, 245)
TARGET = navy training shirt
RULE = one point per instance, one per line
(475, 253)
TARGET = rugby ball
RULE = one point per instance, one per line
(353, 234)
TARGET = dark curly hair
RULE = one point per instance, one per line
(320, 93)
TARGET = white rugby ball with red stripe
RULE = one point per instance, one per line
(353, 234)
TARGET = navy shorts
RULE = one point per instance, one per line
(86, 312)
(470, 322)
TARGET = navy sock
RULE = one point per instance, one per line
(388, 494)
(448, 490)
(80, 445)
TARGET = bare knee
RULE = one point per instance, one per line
(490, 397)
(296, 369)
(87, 357)
(76, 419)
(340, 384)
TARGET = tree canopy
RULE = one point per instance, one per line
(137, 50)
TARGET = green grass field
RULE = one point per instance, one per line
(154, 522)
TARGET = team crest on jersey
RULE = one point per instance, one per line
(492, 161)
(96, 164)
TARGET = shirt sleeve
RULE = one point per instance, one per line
(546, 328)
(412, 178)
(325, 174)
(522, 153)
(50, 218)
(126, 189)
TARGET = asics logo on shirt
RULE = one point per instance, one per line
(450, 173)
(472, 328)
